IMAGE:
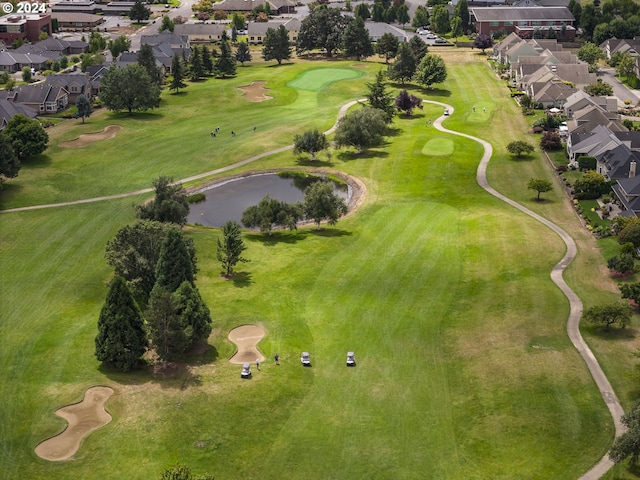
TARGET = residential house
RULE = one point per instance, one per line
(592, 143)
(8, 109)
(42, 97)
(628, 192)
(582, 99)
(258, 30)
(200, 32)
(551, 94)
(617, 163)
(14, 62)
(74, 84)
(168, 44)
(588, 118)
(377, 29)
(496, 21)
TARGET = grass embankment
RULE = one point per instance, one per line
(464, 368)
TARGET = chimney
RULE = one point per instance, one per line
(632, 169)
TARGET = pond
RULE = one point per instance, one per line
(228, 200)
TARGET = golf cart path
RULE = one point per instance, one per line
(575, 304)
(341, 113)
(575, 313)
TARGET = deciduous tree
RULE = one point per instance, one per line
(167, 24)
(406, 102)
(623, 263)
(311, 142)
(551, 141)
(630, 291)
(387, 46)
(628, 444)
(608, 314)
(540, 185)
(129, 88)
(462, 11)
(270, 213)
(440, 19)
(362, 128)
(322, 28)
(320, 203)
(119, 45)
(630, 233)
(431, 70)
(134, 254)
(418, 47)
(599, 89)
(420, 17)
(590, 53)
(483, 42)
(121, 339)
(230, 248)
(26, 135)
(519, 148)
(169, 205)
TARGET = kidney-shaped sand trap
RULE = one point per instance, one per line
(83, 418)
(88, 138)
(246, 338)
(256, 92)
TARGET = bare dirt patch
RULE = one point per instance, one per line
(246, 338)
(88, 138)
(83, 418)
(256, 92)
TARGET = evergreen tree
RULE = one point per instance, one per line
(9, 162)
(194, 313)
(418, 47)
(402, 15)
(230, 248)
(147, 59)
(174, 263)
(356, 40)
(379, 98)
(378, 12)
(390, 14)
(83, 105)
(196, 71)
(121, 339)
(166, 330)
(405, 65)
(456, 27)
(177, 70)
(139, 12)
(462, 11)
(243, 54)
(276, 45)
(207, 61)
(225, 65)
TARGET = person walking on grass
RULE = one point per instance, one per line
(258, 363)
(277, 359)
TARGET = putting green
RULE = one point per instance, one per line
(317, 79)
(438, 147)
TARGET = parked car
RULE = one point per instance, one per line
(446, 111)
(441, 41)
(305, 359)
(246, 370)
(422, 31)
(430, 36)
(351, 359)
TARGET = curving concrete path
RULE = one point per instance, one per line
(575, 304)
(575, 312)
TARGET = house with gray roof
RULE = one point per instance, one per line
(377, 29)
(278, 7)
(588, 118)
(42, 97)
(582, 99)
(12, 62)
(8, 109)
(628, 192)
(616, 163)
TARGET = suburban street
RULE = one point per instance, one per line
(621, 91)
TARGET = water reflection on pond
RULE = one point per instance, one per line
(228, 200)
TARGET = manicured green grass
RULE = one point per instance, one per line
(443, 292)
(592, 217)
(438, 146)
(315, 80)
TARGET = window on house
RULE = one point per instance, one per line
(494, 24)
(508, 24)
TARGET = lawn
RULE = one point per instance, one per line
(464, 367)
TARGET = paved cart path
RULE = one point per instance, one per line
(575, 311)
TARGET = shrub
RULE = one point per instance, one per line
(196, 198)
(586, 163)
(550, 141)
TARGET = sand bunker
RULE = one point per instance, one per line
(256, 92)
(83, 418)
(246, 338)
(88, 138)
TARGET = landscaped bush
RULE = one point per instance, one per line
(586, 163)
(196, 198)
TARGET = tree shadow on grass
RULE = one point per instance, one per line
(242, 279)
(39, 161)
(277, 237)
(138, 116)
(307, 162)
(523, 158)
(351, 155)
(330, 232)
(542, 200)
(614, 333)
(278, 65)
(435, 92)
